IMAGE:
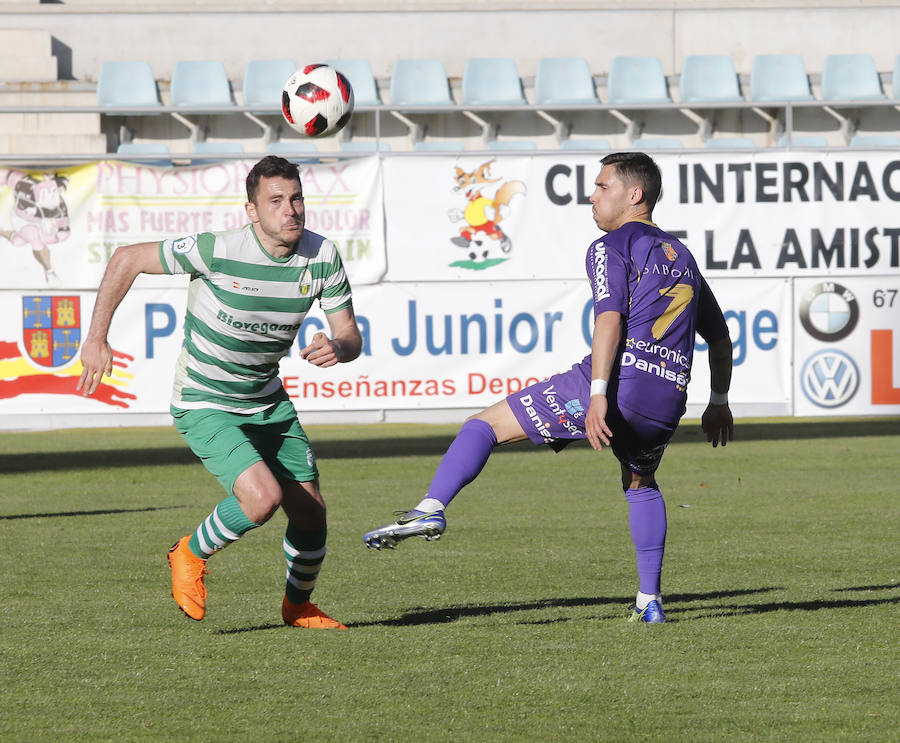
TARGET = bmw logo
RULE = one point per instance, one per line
(829, 312)
(829, 378)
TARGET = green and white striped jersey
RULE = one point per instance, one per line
(244, 309)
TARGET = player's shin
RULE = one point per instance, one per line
(647, 521)
(226, 524)
(304, 551)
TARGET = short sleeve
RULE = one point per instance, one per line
(608, 274)
(190, 254)
(336, 294)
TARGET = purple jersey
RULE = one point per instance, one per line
(652, 280)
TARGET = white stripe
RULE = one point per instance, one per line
(203, 545)
(303, 585)
(314, 555)
(229, 535)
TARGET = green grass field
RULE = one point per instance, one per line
(781, 585)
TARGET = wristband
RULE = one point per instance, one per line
(598, 387)
(718, 398)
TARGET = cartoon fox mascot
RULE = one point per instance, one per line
(482, 214)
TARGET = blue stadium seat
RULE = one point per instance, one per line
(421, 82)
(218, 147)
(657, 143)
(637, 80)
(561, 80)
(438, 146)
(729, 143)
(804, 140)
(511, 144)
(200, 83)
(359, 73)
(850, 77)
(584, 144)
(709, 78)
(875, 140)
(264, 80)
(779, 77)
(491, 81)
(290, 147)
(126, 84)
(145, 148)
(364, 145)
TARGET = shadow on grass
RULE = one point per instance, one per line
(445, 615)
(101, 512)
(737, 610)
(435, 445)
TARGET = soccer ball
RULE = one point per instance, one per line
(317, 100)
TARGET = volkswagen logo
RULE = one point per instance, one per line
(829, 378)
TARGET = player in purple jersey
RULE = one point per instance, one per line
(649, 301)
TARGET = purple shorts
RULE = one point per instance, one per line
(552, 412)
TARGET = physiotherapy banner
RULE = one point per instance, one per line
(456, 312)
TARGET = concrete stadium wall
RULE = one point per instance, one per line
(88, 32)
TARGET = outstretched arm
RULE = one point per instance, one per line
(126, 263)
(344, 345)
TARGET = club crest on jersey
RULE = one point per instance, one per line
(304, 282)
(51, 329)
(670, 252)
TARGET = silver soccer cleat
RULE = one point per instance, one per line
(409, 524)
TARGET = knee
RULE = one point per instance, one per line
(260, 503)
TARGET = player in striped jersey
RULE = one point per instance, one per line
(249, 291)
(628, 394)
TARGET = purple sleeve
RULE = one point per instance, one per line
(710, 321)
(609, 279)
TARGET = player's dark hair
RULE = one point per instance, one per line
(271, 166)
(639, 168)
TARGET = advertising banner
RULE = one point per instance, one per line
(759, 214)
(58, 228)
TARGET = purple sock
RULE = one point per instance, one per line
(647, 519)
(463, 461)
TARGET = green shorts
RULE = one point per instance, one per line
(228, 443)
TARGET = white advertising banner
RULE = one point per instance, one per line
(58, 228)
(426, 346)
(765, 214)
(847, 349)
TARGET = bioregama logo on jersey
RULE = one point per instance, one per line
(829, 312)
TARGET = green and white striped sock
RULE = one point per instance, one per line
(304, 551)
(226, 524)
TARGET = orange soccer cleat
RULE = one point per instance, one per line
(307, 615)
(188, 570)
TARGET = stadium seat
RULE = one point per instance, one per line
(218, 147)
(875, 140)
(804, 140)
(491, 81)
(200, 83)
(421, 82)
(561, 80)
(584, 144)
(364, 145)
(850, 77)
(657, 143)
(264, 80)
(290, 147)
(729, 143)
(359, 73)
(438, 146)
(779, 77)
(126, 84)
(709, 78)
(895, 80)
(637, 80)
(511, 144)
(145, 148)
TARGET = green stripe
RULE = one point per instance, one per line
(206, 243)
(192, 395)
(229, 387)
(182, 260)
(193, 324)
(261, 304)
(241, 270)
(340, 307)
(263, 371)
(336, 291)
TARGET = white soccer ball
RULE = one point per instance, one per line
(317, 100)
